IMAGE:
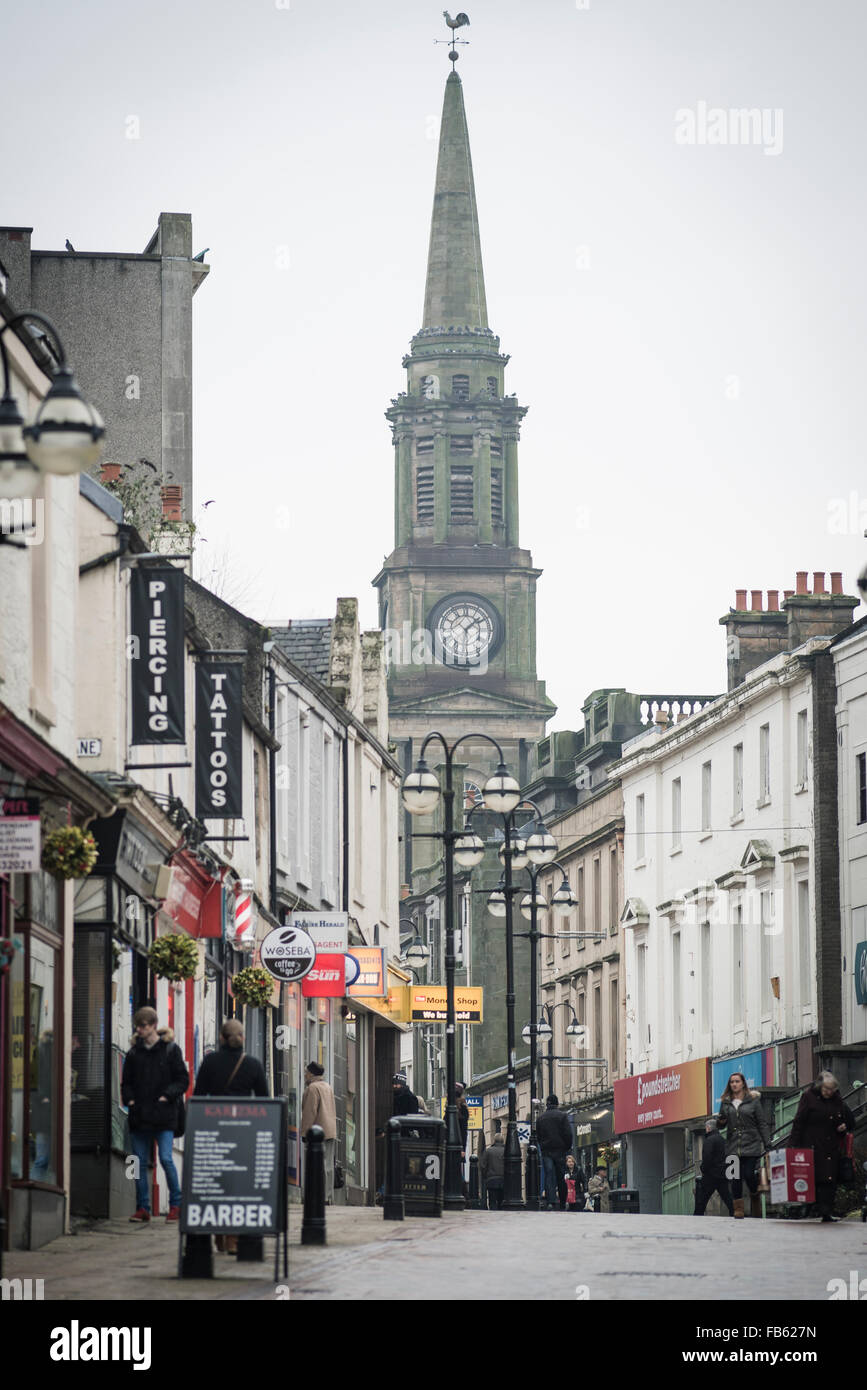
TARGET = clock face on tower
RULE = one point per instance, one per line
(467, 631)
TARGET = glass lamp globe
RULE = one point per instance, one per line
(527, 905)
(497, 902)
(417, 955)
(562, 901)
(501, 792)
(66, 434)
(18, 476)
(525, 1033)
(541, 846)
(518, 855)
(544, 1030)
(575, 1029)
(469, 850)
(420, 791)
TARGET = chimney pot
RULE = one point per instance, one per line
(172, 499)
(801, 582)
(773, 600)
(740, 600)
(836, 581)
(756, 600)
(787, 593)
(818, 581)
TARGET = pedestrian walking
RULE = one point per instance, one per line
(713, 1172)
(403, 1102)
(554, 1136)
(574, 1181)
(492, 1169)
(153, 1082)
(463, 1113)
(317, 1108)
(822, 1120)
(747, 1138)
(230, 1072)
(598, 1187)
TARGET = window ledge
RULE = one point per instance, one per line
(801, 787)
(640, 864)
(763, 801)
(675, 849)
(705, 835)
(736, 819)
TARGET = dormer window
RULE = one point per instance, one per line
(460, 388)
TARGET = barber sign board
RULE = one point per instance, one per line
(288, 954)
(234, 1166)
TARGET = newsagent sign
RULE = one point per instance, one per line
(664, 1097)
(234, 1167)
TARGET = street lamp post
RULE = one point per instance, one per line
(421, 793)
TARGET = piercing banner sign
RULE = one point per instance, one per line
(218, 740)
(157, 655)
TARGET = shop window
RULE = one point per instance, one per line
(88, 1055)
(34, 999)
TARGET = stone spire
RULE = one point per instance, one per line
(455, 288)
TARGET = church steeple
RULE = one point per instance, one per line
(455, 286)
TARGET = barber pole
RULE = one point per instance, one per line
(244, 925)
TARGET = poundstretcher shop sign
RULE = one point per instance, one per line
(663, 1097)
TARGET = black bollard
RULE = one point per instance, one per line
(392, 1206)
(475, 1200)
(313, 1225)
(532, 1177)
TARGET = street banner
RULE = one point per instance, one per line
(427, 1003)
(792, 1178)
(327, 978)
(156, 650)
(20, 840)
(234, 1176)
(218, 740)
(329, 930)
(662, 1097)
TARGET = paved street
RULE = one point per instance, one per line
(475, 1255)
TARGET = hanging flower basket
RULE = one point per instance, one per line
(609, 1155)
(69, 852)
(252, 986)
(174, 957)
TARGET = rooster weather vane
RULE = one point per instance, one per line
(459, 22)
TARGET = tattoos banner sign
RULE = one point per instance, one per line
(218, 740)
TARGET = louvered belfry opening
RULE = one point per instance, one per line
(496, 494)
(424, 494)
(460, 388)
(462, 493)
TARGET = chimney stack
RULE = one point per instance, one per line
(755, 635)
(172, 497)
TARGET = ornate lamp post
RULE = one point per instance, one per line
(420, 794)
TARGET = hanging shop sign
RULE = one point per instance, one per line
(157, 655)
(371, 981)
(427, 1004)
(663, 1097)
(218, 740)
(288, 954)
(191, 898)
(327, 978)
(329, 930)
(20, 840)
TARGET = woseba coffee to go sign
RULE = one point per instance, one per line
(288, 954)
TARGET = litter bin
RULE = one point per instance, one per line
(422, 1164)
(624, 1199)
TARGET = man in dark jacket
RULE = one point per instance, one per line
(404, 1102)
(153, 1082)
(554, 1137)
(492, 1171)
(713, 1172)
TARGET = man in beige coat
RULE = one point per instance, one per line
(317, 1108)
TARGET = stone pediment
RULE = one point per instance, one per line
(465, 699)
(758, 855)
(634, 914)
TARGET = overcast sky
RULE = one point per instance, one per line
(686, 320)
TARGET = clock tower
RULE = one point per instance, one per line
(457, 595)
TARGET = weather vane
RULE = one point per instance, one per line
(458, 23)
